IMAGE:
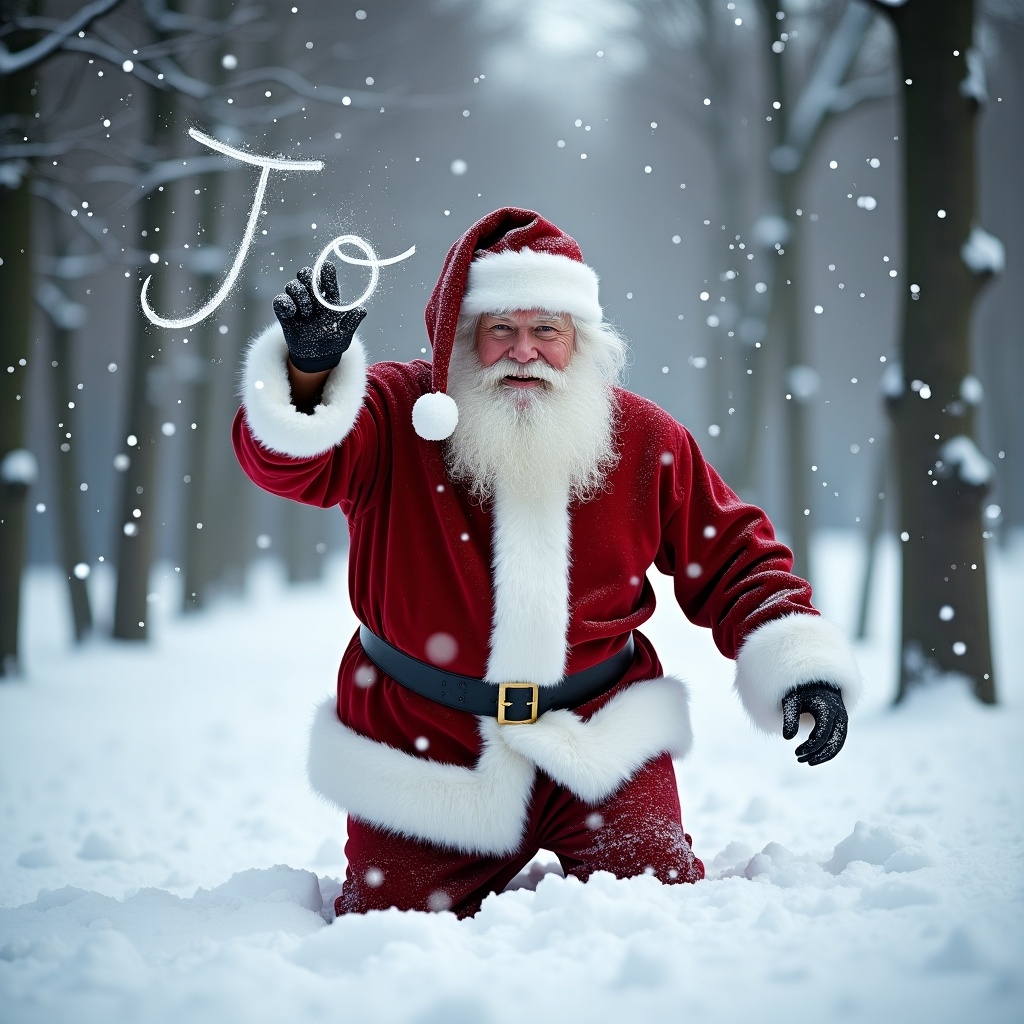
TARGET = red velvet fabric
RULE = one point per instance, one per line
(637, 831)
(420, 553)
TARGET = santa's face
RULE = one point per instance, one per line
(528, 341)
(535, 403)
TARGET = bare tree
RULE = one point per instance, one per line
(943, 478)
(771, 352)
(153, 42)
(66, 318)
(826, 91)
(24, 46)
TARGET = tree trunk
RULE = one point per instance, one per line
(872, 535)
(798, 377)
(785, 331)
(239, 495)
(16, 101)
(208, 451)
(69, 523)
(15, 338)
(201, 547)
(945, 624)
(137, 533)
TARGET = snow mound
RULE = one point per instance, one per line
(882, 845)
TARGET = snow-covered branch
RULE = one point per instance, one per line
(65, 313)
(303, 87)
(108, 246)
(10, 63)
(160, 173)
(163, 19)
(825, 82)
(871, 87)
(81, 139)
(166, 74)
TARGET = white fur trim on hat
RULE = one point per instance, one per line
(786, 652)
(267, 398)
(526, 279)
(435, 416)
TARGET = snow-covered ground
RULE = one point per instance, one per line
(161, 858)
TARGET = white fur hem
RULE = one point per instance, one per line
(267, 398)
(483, 809)
(785, 652)
(475, 810)
(503, 281)
(592, 759)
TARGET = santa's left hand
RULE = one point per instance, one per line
(825, 704)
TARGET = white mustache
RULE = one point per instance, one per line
(538, 370)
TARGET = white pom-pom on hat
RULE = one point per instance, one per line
(434, 416)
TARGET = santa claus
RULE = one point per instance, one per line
(505, 503)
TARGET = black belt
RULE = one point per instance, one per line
(510, 703)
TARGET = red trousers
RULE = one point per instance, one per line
(637, 830)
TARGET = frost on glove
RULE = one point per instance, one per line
(825, 704)
(317, 337)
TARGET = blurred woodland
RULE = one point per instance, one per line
(806, 217)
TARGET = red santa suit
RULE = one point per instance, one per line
(445, 806)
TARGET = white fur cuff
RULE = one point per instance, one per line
(785, 652)
(267, 398)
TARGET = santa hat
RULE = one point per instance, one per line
(511, 259)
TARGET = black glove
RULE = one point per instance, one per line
(316, 336)
(825, 703)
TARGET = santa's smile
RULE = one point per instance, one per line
(522, 383)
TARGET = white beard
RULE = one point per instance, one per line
(554, 437)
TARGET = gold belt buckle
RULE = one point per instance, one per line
(503, 689)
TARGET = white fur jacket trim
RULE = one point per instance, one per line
(267, 398)
(530, 573)
(483, 809)
(785, 652)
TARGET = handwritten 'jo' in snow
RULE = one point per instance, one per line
(268, 163)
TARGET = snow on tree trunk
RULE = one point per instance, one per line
(942, 485)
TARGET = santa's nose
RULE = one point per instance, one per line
(522, 349)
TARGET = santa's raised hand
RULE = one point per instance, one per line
(317, 337)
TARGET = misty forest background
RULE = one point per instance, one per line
(806, 219)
